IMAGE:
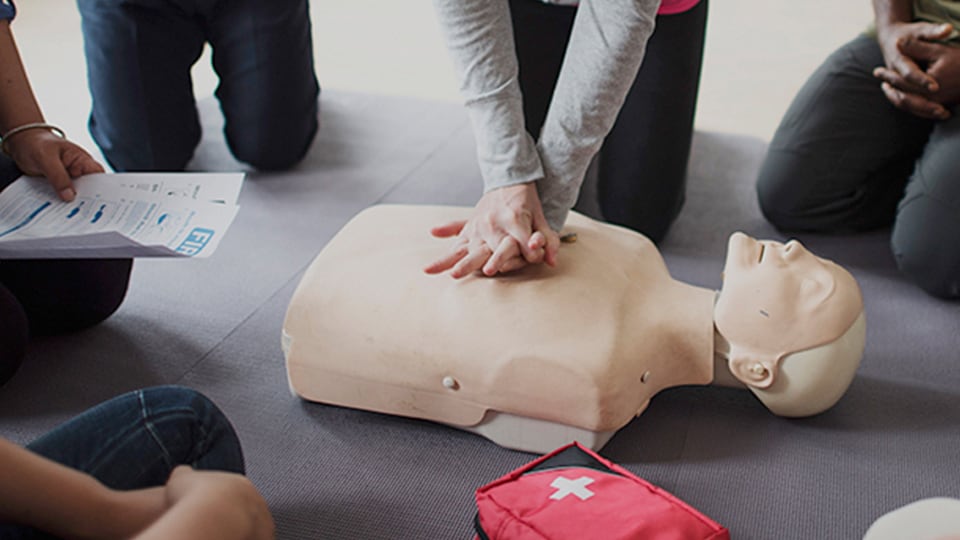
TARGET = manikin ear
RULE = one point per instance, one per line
(752, 369)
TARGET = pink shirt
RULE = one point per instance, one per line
(667, 7)
(670, 7)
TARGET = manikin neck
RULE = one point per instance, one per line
(684, 335)
(721, 356)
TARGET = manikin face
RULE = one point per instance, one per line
(779, 298)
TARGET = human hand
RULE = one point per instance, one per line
(507, 231)
(907, 79)
(211, 505)
(38, 152)
(127, 512)
(943, 64)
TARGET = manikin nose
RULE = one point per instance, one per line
(793, 248)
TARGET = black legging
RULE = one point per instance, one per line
(643, 162)
(52, 296)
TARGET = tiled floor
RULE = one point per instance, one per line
(758, 53)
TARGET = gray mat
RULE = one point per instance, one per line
(336, 473)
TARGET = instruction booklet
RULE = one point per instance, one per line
(119, 215)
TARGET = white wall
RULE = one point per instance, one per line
(758, 54)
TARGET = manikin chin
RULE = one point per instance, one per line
(546, 355)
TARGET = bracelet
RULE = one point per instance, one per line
(33, 125)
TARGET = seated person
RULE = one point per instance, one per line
(534, 358)
(44, 296)
(870, 142)
(157, 463)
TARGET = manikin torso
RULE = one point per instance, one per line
(584, 345)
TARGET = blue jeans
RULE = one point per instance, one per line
(135, 440)
(139, 54)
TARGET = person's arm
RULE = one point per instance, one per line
(892, 12)
(210, 505)
(18, 106)
(603, 57)
(904, 82)
(508, 217)
(479, 37)
(43, 494)
(36, 149)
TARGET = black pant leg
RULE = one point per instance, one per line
(927, 226)
(13, 333)
(842, 154)
(540, 33)
(65, 295)
(643, 162)
(61, 295)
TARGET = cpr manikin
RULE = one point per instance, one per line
(546, 355)
(936, 518)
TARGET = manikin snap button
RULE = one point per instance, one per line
(450, 383)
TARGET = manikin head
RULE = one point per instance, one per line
(794, 324)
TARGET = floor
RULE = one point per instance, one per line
(757, 56)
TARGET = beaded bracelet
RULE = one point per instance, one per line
(33, 125)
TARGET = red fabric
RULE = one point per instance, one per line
(670, 7)
(618, 506)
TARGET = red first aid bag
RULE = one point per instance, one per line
(573, 493)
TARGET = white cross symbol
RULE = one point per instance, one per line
(566, 486)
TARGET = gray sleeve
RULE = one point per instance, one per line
(479, 36)
(606, 48)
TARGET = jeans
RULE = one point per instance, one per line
(52, 296)
(135, 440)
(139, 55)
(845, 159)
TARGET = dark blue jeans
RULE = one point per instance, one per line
(135, 440)
(139, 55)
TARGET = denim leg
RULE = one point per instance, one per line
(263, 53)
(135, 440)
(139, 54)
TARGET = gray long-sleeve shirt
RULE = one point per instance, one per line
(603, 55)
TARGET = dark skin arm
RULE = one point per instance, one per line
(37, 152)
(919, 74)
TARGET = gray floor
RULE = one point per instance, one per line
(334, 473)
